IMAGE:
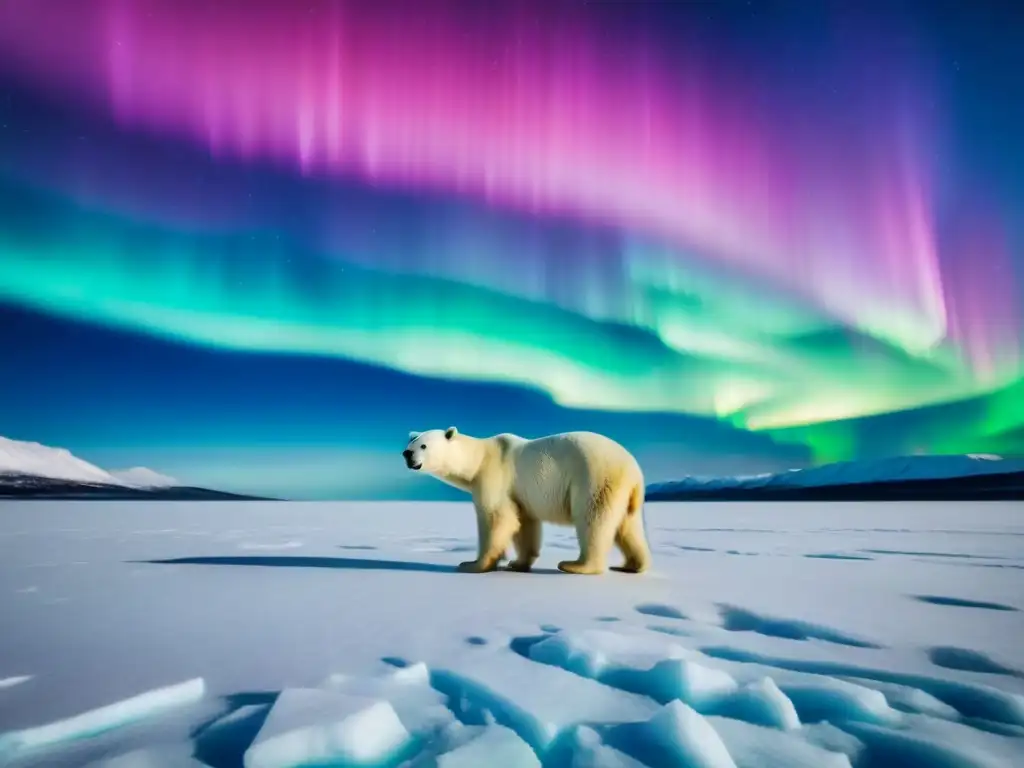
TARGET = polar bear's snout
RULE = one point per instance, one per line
(410, 462)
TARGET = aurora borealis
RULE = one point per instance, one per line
(252, 244)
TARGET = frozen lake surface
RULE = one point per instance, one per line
(281, 634)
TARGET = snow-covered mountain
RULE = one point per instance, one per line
(141, 477)
(36, 460)
(30, 470)
(915, 470)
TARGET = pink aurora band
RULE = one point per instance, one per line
(555, 110)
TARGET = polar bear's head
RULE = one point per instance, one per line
(430, 451)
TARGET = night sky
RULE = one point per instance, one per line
(252, 244)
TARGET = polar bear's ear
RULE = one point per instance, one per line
(413, 435)
(450, 433)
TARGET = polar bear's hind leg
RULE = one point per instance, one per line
(630, 537)
(596, 520)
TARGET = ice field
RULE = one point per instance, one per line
(276, 634)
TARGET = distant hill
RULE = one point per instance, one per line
(35, 471)
(924, 478)
(141, 477)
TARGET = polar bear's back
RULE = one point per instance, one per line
(547, 470)
(593, 451)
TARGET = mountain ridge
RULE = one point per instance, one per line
(30, 470)
(955, 476)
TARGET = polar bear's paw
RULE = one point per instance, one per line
(582, 568)
(475, 566)
(629, 567)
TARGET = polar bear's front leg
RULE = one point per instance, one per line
(527, 543)
(495, 529)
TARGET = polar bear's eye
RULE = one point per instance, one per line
(424, 447)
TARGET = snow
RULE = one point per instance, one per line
(23, 459)
(141, 477)
(150, 634)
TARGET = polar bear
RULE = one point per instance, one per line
(579, 479)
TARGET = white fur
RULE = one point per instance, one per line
(579, 479)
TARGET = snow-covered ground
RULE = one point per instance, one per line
(277, 634)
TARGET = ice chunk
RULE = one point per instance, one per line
(224, 740)
(413, 674)
(970, 699)
(676, 735)
(566, 652)
(103, 719)
(818, 697)
(827, 736)
(838, 700)
(588, 751)
(590, 653)
(972, 745)
(537, 701)
(755, 746)
(447, 739)
(651, 666)
(311, 725)
(10, 682)
(690, 737)
(166, 756)
(761, 703)
(496, 745)
(420, 707)
(900, 747)
(908, 698)
(697, 685)
(236, 716)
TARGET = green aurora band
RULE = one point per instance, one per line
(684, 339)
